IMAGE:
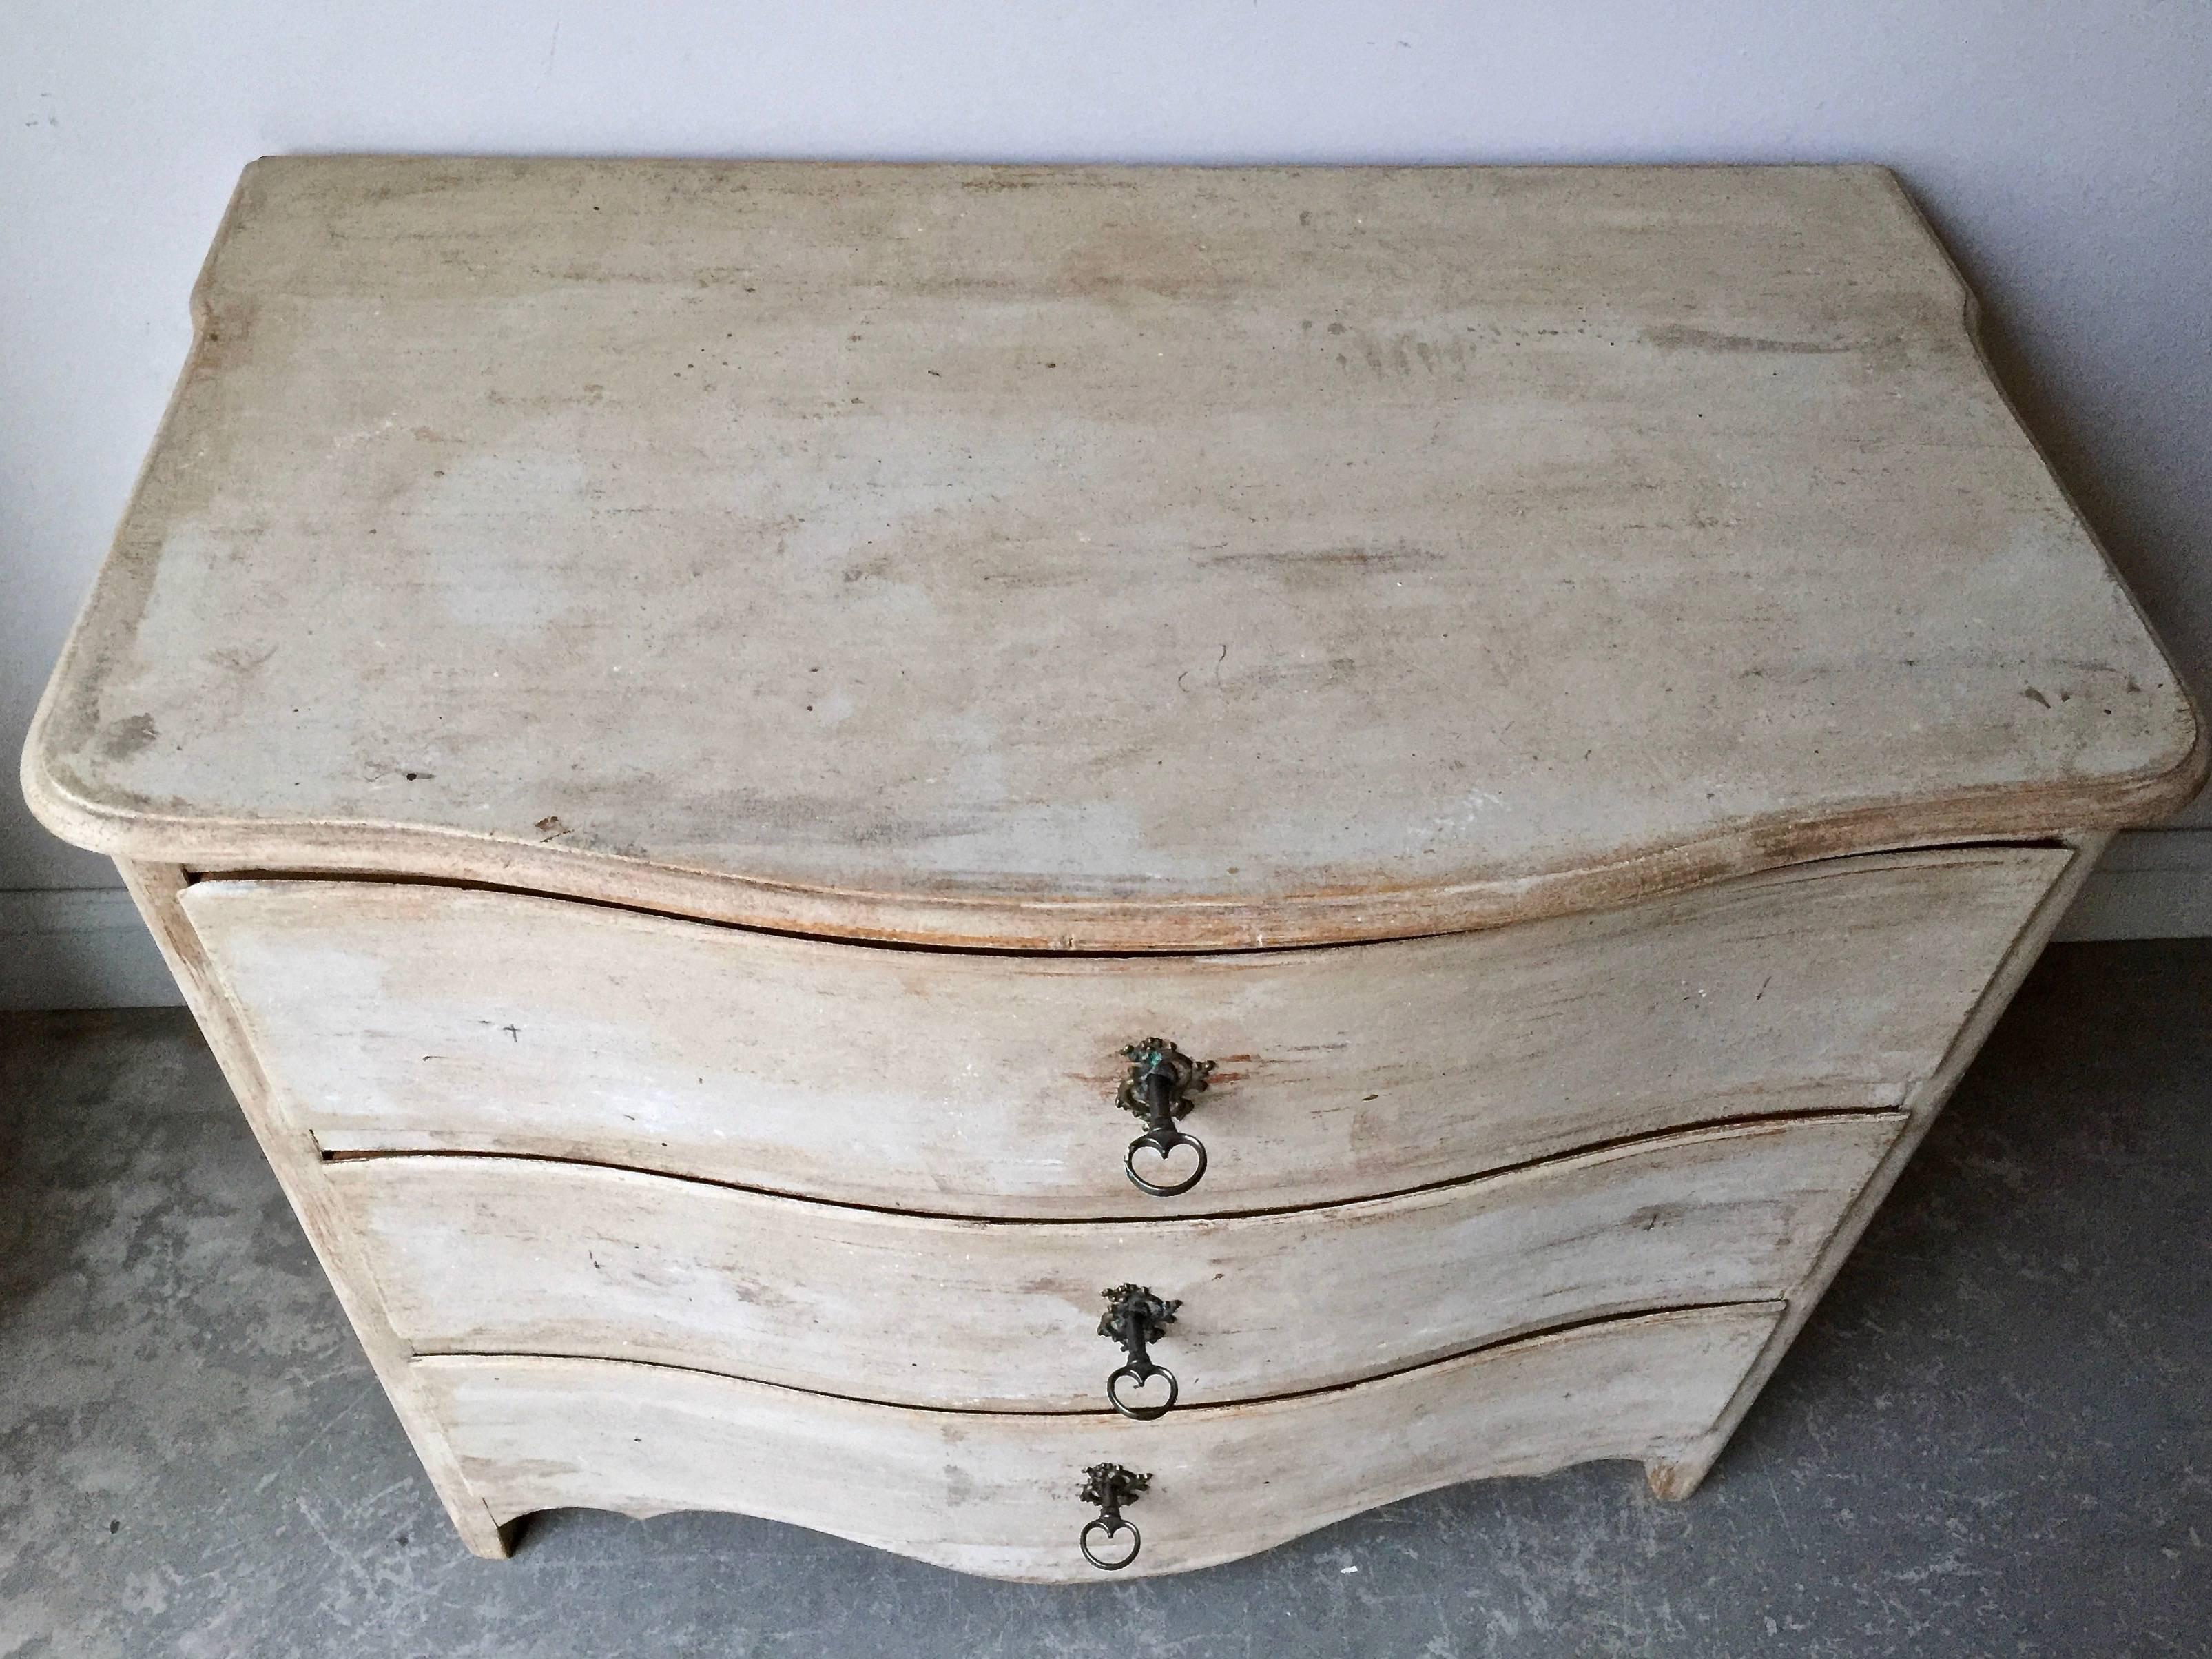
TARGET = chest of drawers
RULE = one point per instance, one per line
(1005, 859)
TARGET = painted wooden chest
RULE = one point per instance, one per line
(1050, 865)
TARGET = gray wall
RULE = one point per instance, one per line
(2064, 150)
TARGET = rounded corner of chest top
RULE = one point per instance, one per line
(64, 803)
(2180, 784)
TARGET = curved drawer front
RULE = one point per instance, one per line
(394, 1016)
(502, 1255)
(996, 1494)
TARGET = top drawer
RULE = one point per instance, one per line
(391, 1016)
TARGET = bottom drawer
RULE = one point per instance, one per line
(996, 1493)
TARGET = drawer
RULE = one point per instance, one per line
(388, 1016)
(505, 1256)
(996, 1493)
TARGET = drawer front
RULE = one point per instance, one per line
(995, 1493)
(391, 1017)
(504, 1255)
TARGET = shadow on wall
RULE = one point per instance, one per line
(79, 947)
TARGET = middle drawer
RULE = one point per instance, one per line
(515, 1256)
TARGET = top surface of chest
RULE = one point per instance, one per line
(1099, 557)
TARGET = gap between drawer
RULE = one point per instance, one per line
(1189, 1414)
(1775, 1120)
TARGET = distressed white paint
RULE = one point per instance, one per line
(492, 1255)
(1027, 557)
(390, 1017)
(996, 1494)
(2063, 156)
(1586, 544)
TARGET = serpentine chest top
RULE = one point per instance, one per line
(1075, 868)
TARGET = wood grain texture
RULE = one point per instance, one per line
(507, 1255)
(1135, 559)
(405, 1017)
(996, 1494)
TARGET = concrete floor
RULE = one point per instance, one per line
(1994, 1438)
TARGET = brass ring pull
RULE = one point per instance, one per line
(1162, 1080)
(1164, 1142)
(1107, 1529)
(1109, 1486)
(1140, 1376)
(1136, 1319)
